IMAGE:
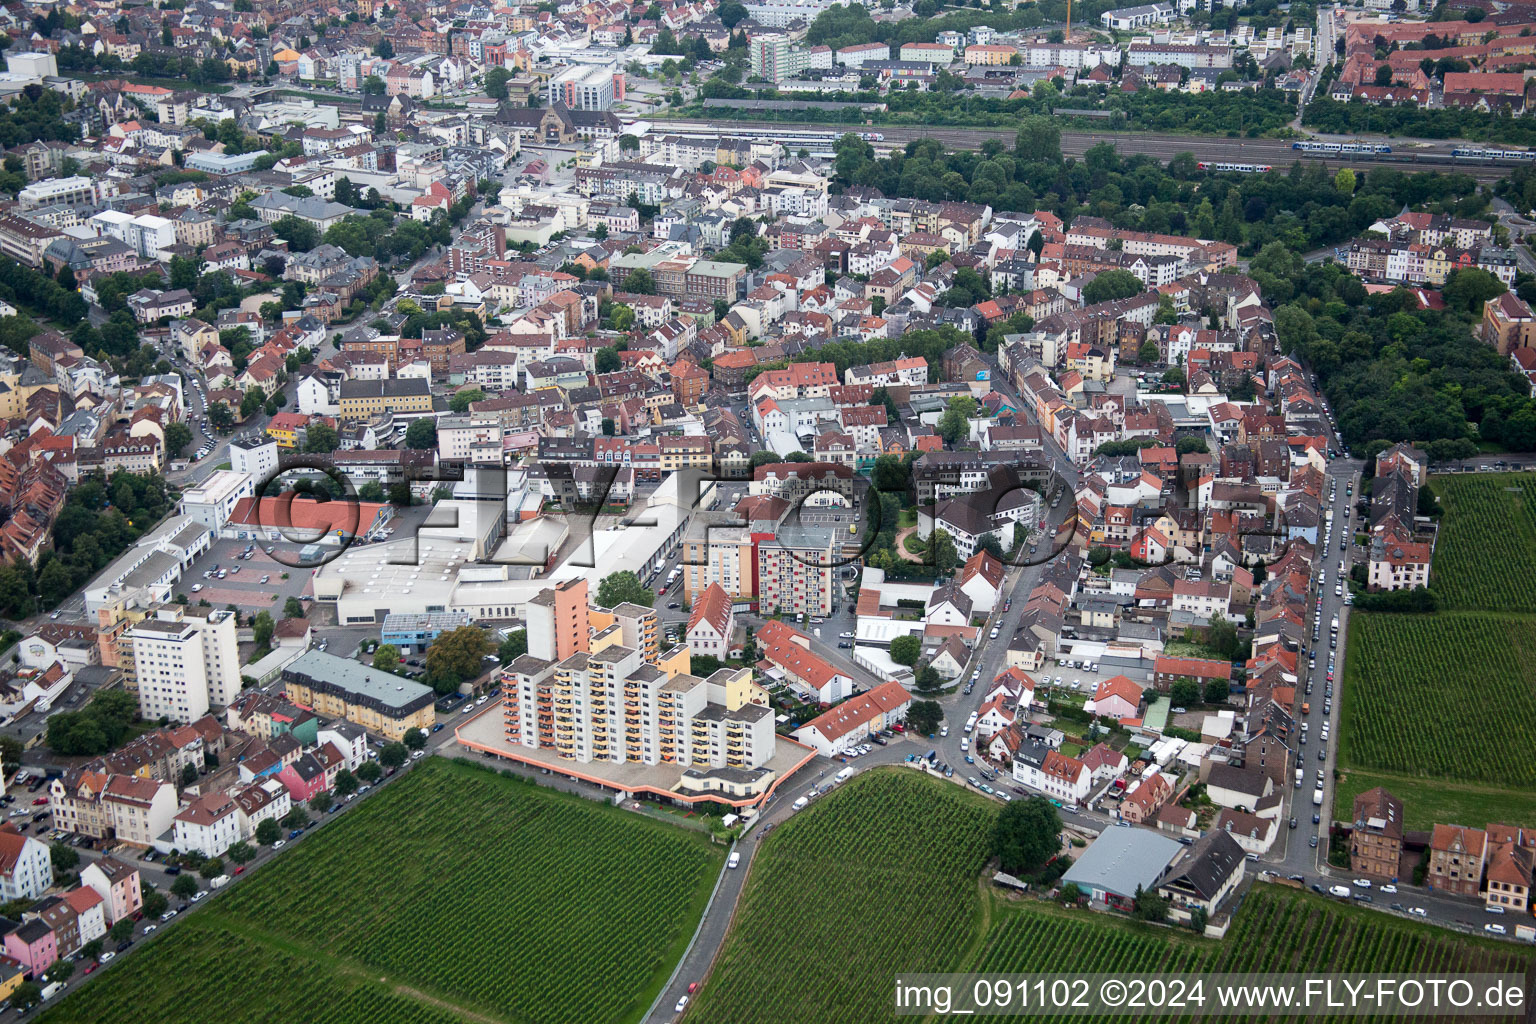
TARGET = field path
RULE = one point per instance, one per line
(443, 1004)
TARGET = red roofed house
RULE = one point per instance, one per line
(789, 651)
(1456, 856)
(711, 622)
(90, 912)
(981, 579)
(993, 717)
(1115, 698)
(1064, 778)
(851, 722)
(1142, 803)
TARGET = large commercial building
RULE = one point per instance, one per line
(213, 501)
(342, 688)
(180, 664)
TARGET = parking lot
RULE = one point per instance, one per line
(250, 583)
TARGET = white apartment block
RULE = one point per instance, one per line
(183, 665)
(255, 455)
(611, 706)
(147, 233)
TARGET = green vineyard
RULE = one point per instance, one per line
(1485, 556)
(879, 878)
(465, 890)
(882, 877)
(1446, 695)
(203, 973)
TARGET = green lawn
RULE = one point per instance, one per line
(453, 895)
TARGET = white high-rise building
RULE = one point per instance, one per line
(183, 665)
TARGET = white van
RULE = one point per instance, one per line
(1300, 777)
(734, 860)
(798, 804)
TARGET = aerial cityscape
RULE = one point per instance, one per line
(748, 512)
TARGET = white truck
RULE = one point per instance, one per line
(1333, 627)
(1317, 797)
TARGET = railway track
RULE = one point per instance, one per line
(1273, 152)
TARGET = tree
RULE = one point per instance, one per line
(905, 650)
(415, 739)
(514, 646)
(322, 801)
(456, 656)
(185, 887)
(1344, 181)
(346, 783)
(252, 401)
(1113, 284)
(373, 85)
(422, 434)
(213, 867)
(941, 552)
(154, 903)
(320, 438)
(1469, 289)
(65, 858)
(293, 608)
(188, 774)
(177, 437)
(28, 993)
(955, 425)
(1384, 75)
(1184, 692)
(220, 417)
(496, 83)
(240, 853)
(639, 282)
(262, 628)
(1217, 691)
(370, 772)
(393, 755)
(461, 400)
(926, 678)
(924, 716)
(619, 587)
(386, 658)
(606, 360)
(1149, 906)
(268, 831)
(1024, 836)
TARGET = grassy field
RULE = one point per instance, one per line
(454, 895)
(884, 876)
(1427, 801)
